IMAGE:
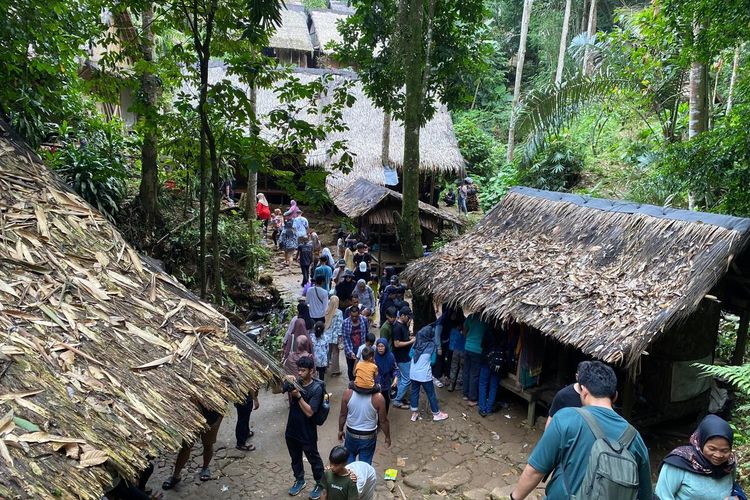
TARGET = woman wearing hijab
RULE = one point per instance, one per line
(303, 349)
(334, 320)
(303, 311)
(349, 259)
(329, 258)
(366, 295)
(293, 211)
(387, 370)
(296, 330)
(288, 242)
(263, 211)
(420, 373)
(344, 289)
(703, 470)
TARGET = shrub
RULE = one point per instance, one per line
(557, 168)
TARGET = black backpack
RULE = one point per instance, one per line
(498, 361)
(324, 409)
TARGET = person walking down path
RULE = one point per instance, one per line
(288, 243)
(402, 342)
(362, 260)
(301, 430)
(242, 430)
(263, 211)
(366, 295)
(304, 257)
(334, 322)
(704, 469)
(320, 349)
(457, 343)
(317, 299)
(301, 226)
(491, 368)
(298, 328)
(475, 332)
(420, 374)
(325, 271)
(345, 288)
(387, 370)
(302, 349)
(567, 445)
(293, 211)
(363, 412)
(352, 481)
(353, 332)
(567, 397)
(277, 225)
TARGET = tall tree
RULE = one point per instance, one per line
(150, 87)
(588, 63)
(563, 42)
(519, 73)
(733, 79)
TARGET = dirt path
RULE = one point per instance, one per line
(465, 456)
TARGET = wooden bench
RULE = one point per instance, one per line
(530, 395)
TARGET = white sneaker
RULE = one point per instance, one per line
(437, 382)
(441, 415)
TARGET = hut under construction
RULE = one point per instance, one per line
(291, 42)
(324, 31)
(101, 353)
(637, 286)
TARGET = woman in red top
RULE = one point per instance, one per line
(263, 211)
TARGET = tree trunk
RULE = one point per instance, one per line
(148, 189)
(563, 42)
(385, 154)
(738, 355)
(733, 79)
(252, 175)
(588, 59)
(584, 11)
(409, 230)
(698, 99)
(216, 206)
(519, 73)
(202, 165)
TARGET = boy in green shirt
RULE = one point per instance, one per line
(337, 483)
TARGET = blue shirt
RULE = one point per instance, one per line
(678, 484)
(566, 444)
(326, 272)
(457, 340)
(475, 330)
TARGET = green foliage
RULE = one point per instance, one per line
(309, 188)
(497, 186)
(94, 162)
(315, 4)
(738, 376)
(557, 168)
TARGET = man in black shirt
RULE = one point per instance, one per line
(402, 342)
(304, 257)
(362, 259)
(301, 430)
(567, 397)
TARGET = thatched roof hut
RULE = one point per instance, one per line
(606, 277)
(362, 198)
(324, 28)
(292, 39)
(101, 354)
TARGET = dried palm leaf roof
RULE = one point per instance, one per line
(362, 197)
(324, 26)
(604, 276)
(101, 354)
(293, 33)
(439, 151)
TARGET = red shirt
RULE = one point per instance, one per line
(263, 211)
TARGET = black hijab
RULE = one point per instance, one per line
(691, 458)
(303, 311)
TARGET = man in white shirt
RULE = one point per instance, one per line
(317, 300)
(300, 226)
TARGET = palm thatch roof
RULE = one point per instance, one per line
(101, 354)
(439, 151)
(293, 33)
(362, 198)
(604, 276)
(325, 28)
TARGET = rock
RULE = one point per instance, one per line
(476, 494)
(418, 481)
(451, 480)
(453, 458)
(410, 467)
(502, 493)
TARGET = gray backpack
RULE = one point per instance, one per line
(612, 473)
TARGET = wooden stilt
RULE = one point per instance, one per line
(738, 356)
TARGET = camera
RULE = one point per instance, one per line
(287, 386)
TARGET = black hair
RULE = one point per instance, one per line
(581, 366)
(323, 259)
(339, 455)
(360, 245)
(306, 362)
(370, 337)
(319, 280)
(390, 312)
(319, 326)
(599, 379)
(367, 351)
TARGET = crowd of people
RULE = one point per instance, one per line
(587, 449)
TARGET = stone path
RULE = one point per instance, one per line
(466, 456)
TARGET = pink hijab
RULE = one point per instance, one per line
(298, 329)
(303, 349)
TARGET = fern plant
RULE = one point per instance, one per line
(738, 376)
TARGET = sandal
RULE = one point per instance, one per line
(170, 483)
(205, 474)
(251, 434)
(246, 447)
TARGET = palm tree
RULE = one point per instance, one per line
(519, 72)
(733, 79)
(588, 64)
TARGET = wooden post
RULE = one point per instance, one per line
(432, 190)
(738, 356)
(380, 252)
(628, 396)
